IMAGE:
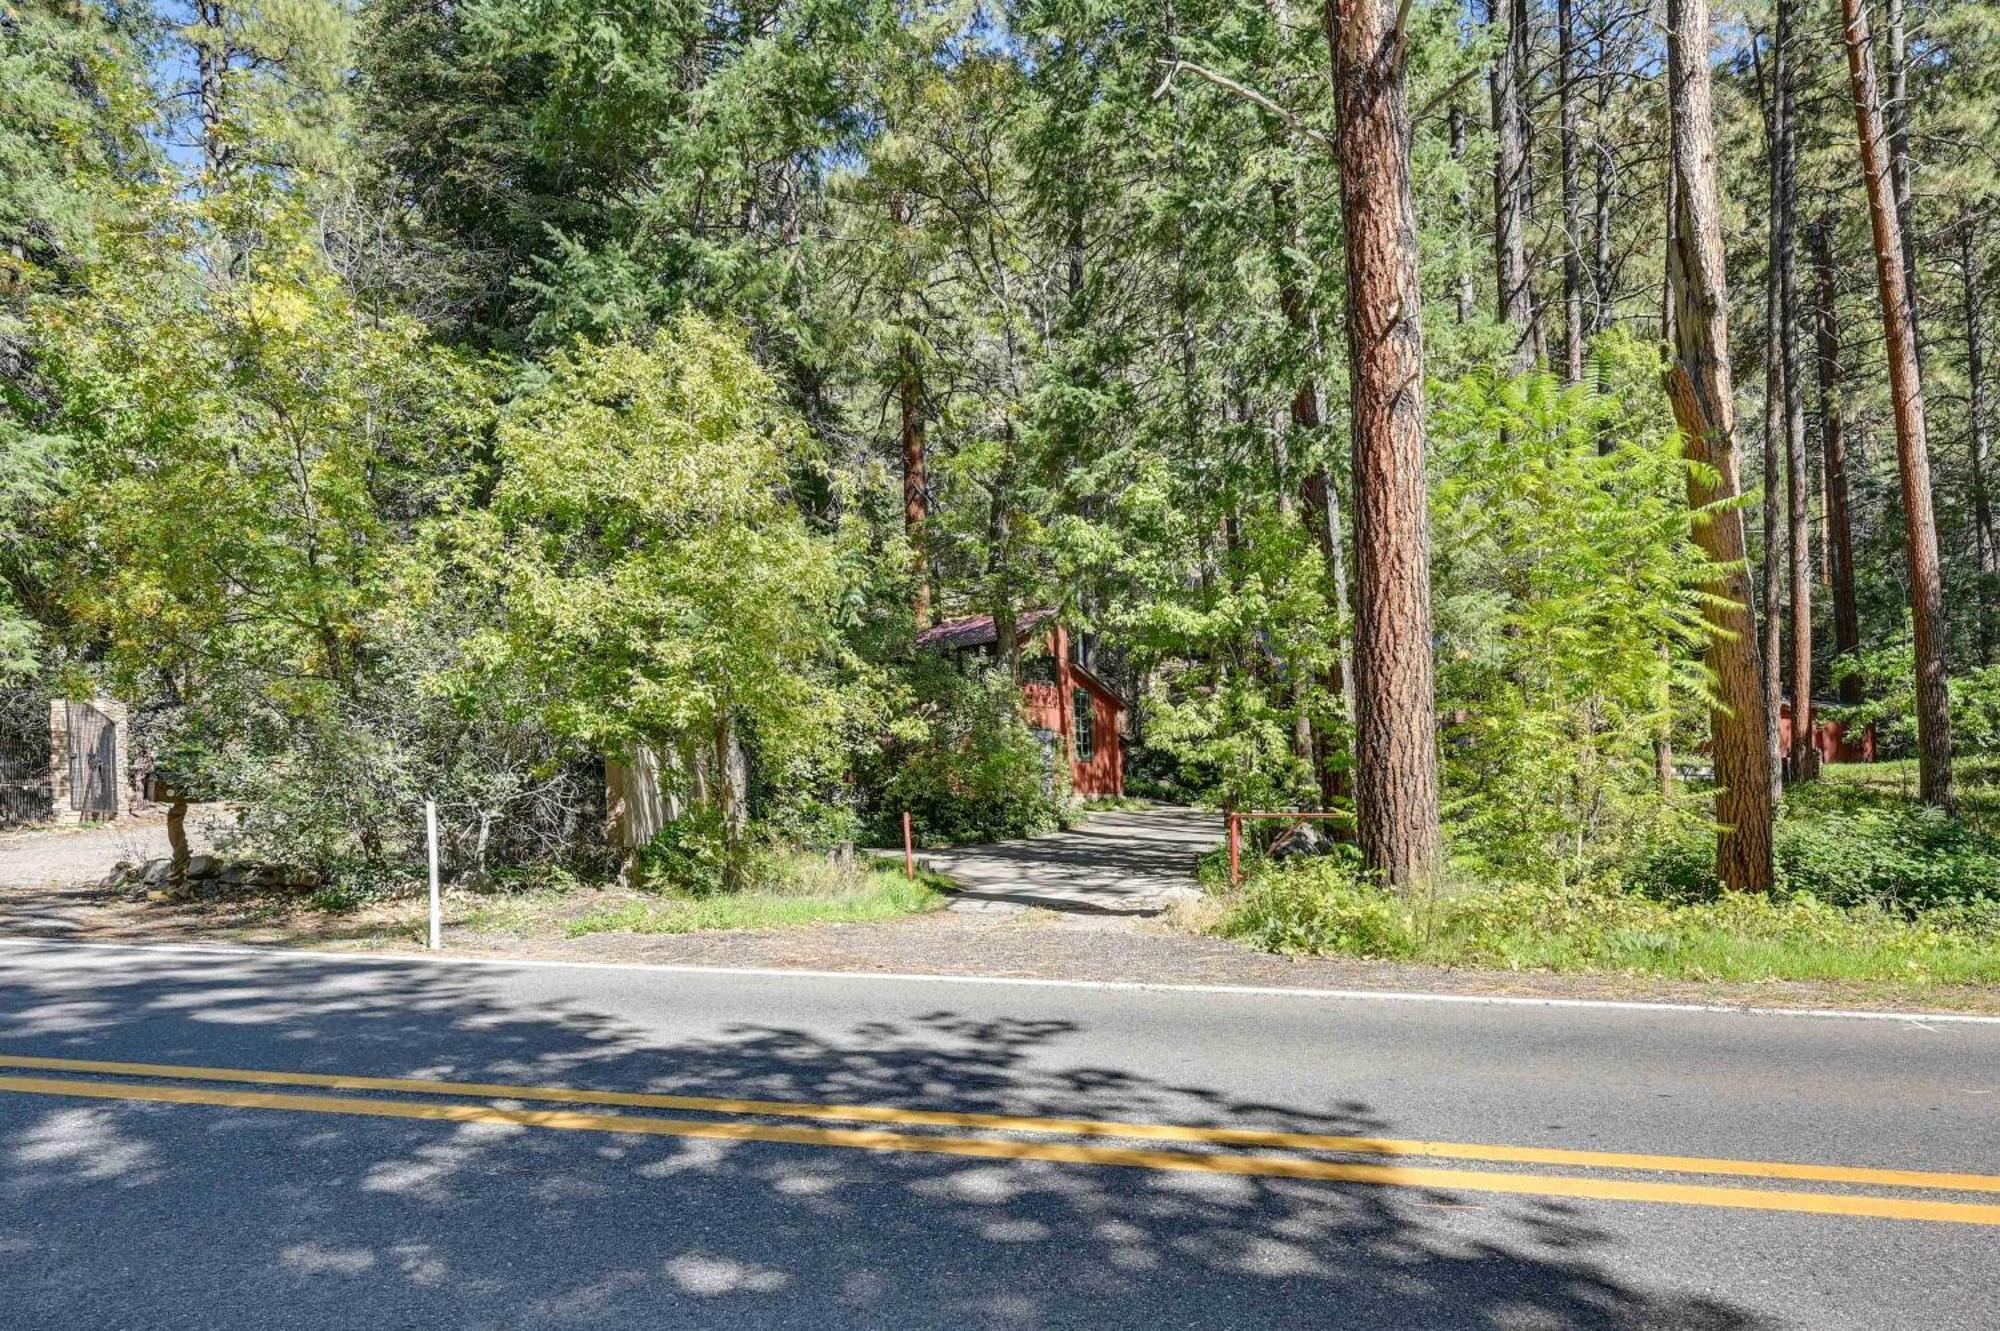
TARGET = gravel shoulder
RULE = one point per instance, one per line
(1032, 944)
(52, 886)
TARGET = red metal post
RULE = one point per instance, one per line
(1235, 843)
(909, 849)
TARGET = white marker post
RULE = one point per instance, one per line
(437, 906)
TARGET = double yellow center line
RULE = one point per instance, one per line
(1086, 1152)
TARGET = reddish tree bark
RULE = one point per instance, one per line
(1897, 122)
(1699, 387)
(1802, 761)
(1396, 785)
(1906, 393)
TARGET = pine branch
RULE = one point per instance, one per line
(1285, 114)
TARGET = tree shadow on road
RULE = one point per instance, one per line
(168, 1215)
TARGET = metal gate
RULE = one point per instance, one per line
(93, 760)
(24, 754)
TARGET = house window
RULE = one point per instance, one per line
(1086, 724)
(1039, 669)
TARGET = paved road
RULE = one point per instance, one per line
(1133, 862)
(259, 1205)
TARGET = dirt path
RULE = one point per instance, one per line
(37, 857)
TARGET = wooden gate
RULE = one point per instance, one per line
(93, 760)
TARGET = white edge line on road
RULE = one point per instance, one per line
(1917, 1018)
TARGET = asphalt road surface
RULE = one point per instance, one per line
(200, 1138)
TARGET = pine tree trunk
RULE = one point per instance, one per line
(1897, 114)
(1803, 759)
(1317, 502)
(916, 511)
(1467, 302)
(1604, 182)
(1698, 385)
(211, 63)
(1510, 181)
(910, 400)
(1572, 193)
(1771, 649)
(1396, 787)
(1934, 779)
(1980, 441)
(1833, 449)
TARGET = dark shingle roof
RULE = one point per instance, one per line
(975, 631)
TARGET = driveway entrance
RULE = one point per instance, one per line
(1124, 863)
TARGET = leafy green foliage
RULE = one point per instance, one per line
(1568, 617)
(1322, 908)
(1843, 841)
(1888, 679)
(650, 583)
(962, 762)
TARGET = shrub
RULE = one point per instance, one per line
(1320, 906)
(964, 764)
(1908, 858)
(1324, 908)
(689, 854)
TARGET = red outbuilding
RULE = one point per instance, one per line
(1060, 696)
(1836, 742)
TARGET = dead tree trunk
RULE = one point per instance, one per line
(1467, 302)
(1604, 180)
(1906, 392)
(209, 33)
(1396, 786)
(1773, 495)
(1833, 465)
(916, 512)
(1698, 385)
(1979, 441)
(1317, 502)
(1510, 182)
(1572, 192)
(910, 399)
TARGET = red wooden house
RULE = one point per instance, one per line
(1836, 744)
(1060, 696)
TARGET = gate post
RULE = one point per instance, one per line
(1235, 848)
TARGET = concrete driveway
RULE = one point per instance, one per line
(1125, 863)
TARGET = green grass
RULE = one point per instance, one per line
(816, 894)
(1891, 786)
(1874, 890)
(1320, 910)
